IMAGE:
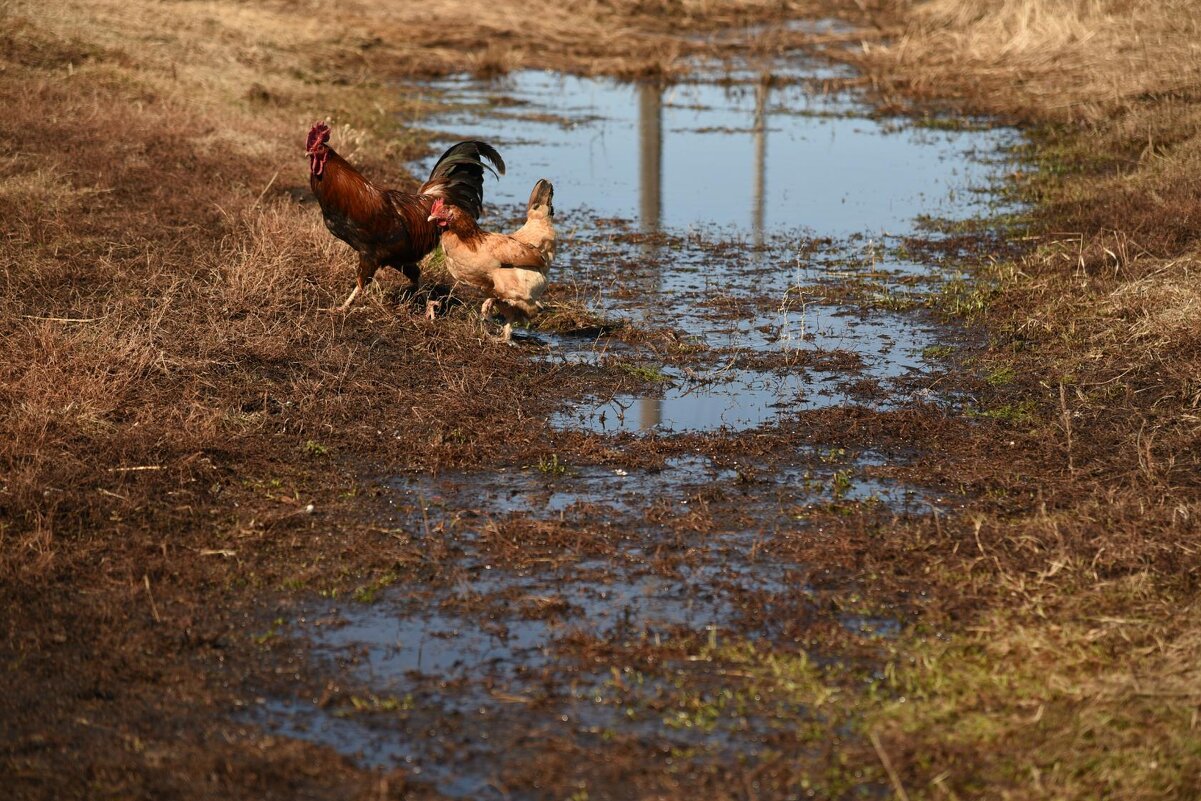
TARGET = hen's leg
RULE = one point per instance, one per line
(524, 308)
(505, 310)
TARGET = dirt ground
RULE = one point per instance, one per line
(185, 434)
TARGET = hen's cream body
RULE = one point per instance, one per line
(510, 270)
(500, 266)
(539, 229)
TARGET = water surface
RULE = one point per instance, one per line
(750, 157)
(748, 193)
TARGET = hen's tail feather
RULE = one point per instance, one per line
(542, 194)
(459, 175)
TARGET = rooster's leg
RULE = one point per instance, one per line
(346, 303)
(413, 273)
(366, 273)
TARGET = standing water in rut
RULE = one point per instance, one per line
(645, 617)
(738, 199)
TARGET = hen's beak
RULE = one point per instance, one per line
(432, 218)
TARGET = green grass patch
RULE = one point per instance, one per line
(1000, 376)
(1020, 412)
(644, 372)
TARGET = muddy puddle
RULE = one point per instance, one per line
(756, 229)
(727, 211)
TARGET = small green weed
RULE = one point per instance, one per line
(932, 352)
(833, 455)
(369, 593)
(842, 482)
(644, 372)
(960, 297)
(270, 634)
(1000, 376)
(551, 466)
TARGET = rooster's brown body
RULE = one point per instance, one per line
(386, 227)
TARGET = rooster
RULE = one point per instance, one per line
(386, 227)
(511, 270)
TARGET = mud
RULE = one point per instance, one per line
(748, 242)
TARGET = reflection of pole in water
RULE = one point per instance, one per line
(650, 201)
(758, 185)
(650, 155)
(650, 413)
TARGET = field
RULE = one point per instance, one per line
(191, 447)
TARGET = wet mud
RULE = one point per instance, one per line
(615, 627)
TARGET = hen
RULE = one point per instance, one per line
(539, 229)
(386, 227)
(511, 270)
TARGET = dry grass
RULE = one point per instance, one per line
(159, 287)
(1045, 59)
(169, 391)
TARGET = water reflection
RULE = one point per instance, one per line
(759, 181)
(650, 156)
(702, 154)
(650, 204)
(686, 164)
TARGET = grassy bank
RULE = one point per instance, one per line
(1073, 673)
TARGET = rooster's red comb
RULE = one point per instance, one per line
(318, 135)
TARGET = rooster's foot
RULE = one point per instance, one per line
(345, 304)
(431, 309)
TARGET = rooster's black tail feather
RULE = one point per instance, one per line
(458, 177)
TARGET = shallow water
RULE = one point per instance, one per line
(743, 193)
(438, 679)
(752, 157)
(620, 492)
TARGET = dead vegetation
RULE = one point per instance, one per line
(1082, 563)
(171, 399)
(164, 368)
(1043, 59)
